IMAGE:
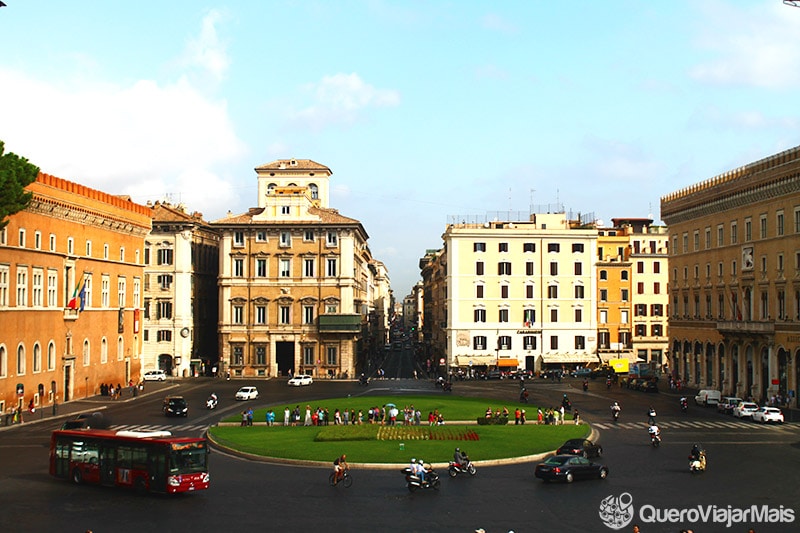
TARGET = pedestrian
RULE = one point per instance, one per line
(556, 415)
(244, 418)
(517, 416)
(522, 417)
(576, 417)
(287, 414)
(250, 416)
(539, 416)
(307, 421)
(562, 414)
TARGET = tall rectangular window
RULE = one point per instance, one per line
(529, 268)
(554, 315)
(504, 291)
(308, 314)
(52, 289)
(238, 267)
(121, 290)
(308, 267)
(502, 315)
(331, 239)
(308, 355)
(285, 316)
(479, 268)
(164, 256)
(286, 239)
(478, 291)
(734, 233)
(285, 270)
(331, 267)
(578, 315)
(553, 268)
(480, 315)
(105, 289)
(238, 314)
(261, 268)
(578, 269)
(331, 356)
(238, 239)
(504, 268)
(552, 291)
(779, 230)
(261, 355)
(529, 291)
(37, 289)
(579, 292)
(261, 314)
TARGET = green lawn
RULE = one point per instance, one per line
(380, 444)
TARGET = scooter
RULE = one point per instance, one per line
(363, 380)
(614, 414)
(465, 467)
(211, 403)
(697, 463)
(413, 482)
(684, 405)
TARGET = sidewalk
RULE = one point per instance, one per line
(79, 406)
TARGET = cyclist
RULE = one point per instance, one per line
(339, 466)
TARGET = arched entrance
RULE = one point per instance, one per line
(736, 380)
(765, 381)
(165, 363)
(783, 372)
(748, 382)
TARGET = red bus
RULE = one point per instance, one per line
(146, 461)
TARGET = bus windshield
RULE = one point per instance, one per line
(188, 458)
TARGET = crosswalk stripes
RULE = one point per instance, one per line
(692, 424)
(142, 427)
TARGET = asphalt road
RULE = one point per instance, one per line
(748, 465)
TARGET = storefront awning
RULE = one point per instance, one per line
(475, 360)
(507, 362)
(569, 358)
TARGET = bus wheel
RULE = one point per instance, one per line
(77, 477)
(140, 486)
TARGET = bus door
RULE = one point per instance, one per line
(157, 469)
(107, 464)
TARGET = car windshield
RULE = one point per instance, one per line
(177, 402)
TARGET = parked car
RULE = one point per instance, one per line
(175, 406)
(582, 373)
(650, 386)
(727, 404)
(569, 468)
(745, 410)
(155, 375)
(582, 447)
(707, 397)
(768, 414)
(247, 393)
(300, 380)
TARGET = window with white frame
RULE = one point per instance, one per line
(88, 248)
(762, 226)
(51, 357)
(105, 251)
(779, 224)
(261, 268)
(308, 267)
(71, 246)
(286, 239)
(238, 314)
(3, 362)
(137, 293)
(502, 315)
(164, 256)
(52, 242)
(21, 361)
(37, 240)
(86, 301)
(37, 287)
(238, 267)
(331, 239)
(261, 314)
(37, 358)
(105, 287)
(529, 342)
(285, 315)
(308, 235)
(308, 314)
(308, 356)
(22, 286)
(261, 236)
(286, 210)
(103, 351)
(331, 267)
(120, 348)
(21, 238)
(285, 268)
(604, 316)
(504, 342)
(121, 300)
(238, 239)
(86, 353)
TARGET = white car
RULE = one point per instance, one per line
(300, 380)
(768, 414)
(155, 375)
(745, 410)
(247, 393)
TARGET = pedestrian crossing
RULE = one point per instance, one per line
(693, 424)
(162, 427)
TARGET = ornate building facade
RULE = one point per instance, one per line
(735, 279)
(70, 294)
(180, 308)
(297, 283)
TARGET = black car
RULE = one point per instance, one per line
(569, 468)
(582, 447)
(87, 420)
(176, 406)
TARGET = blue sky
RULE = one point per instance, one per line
(422, 109)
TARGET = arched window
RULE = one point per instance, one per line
(314, 191)
(103, 351)
(3, 362)
(271, 188)
(51, 356)
(86, 358)
(120, 348)
(20, 360)
(37, 358)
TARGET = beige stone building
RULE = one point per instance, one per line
(297, 283)
(735, 279)
(180, 293)
(70, 294)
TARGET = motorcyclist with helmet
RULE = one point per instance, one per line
(460, 458)
(654, 431)
(615, 410)
(420, 471)
(339, 466)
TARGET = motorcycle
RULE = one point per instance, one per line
(211, 403)
(363, 380)
(615, 414)
(684, 405)
(465, 467)
(655, 440)
(413, 482)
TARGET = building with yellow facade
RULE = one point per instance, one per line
(298, 286)
(70, 293)
(734, 279)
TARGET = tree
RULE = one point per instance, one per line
(16, 173)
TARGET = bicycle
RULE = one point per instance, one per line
(346, 479)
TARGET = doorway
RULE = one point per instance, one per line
(284, 356)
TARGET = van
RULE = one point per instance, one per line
(707, 397)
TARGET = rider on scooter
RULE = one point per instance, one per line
(654, 431)
(615, 409)
(460, 458)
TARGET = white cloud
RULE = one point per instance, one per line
(341, 99)
(753, 47)
(206, 51)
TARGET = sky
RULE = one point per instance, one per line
(425, 111)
